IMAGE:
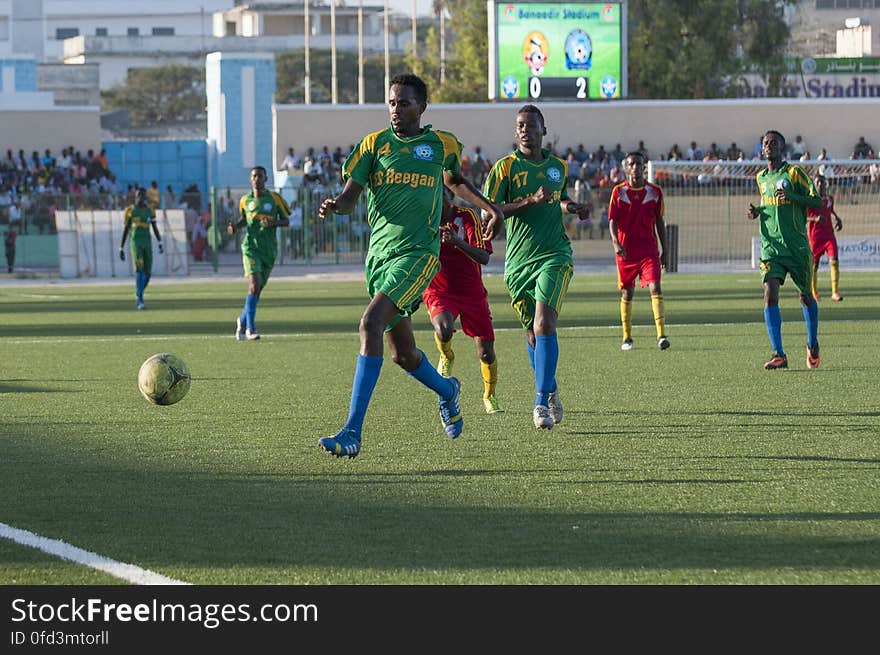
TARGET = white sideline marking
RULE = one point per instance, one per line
(127, 572)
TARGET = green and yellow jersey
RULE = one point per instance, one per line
(139, 221)
(783, 223)
(537, 232)
(404, 177)
(261, 242)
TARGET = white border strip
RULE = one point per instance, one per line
(127, 572)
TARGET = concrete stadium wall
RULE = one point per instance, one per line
(835, 124)
(38, 129)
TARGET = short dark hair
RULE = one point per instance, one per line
(635, 153)
(777, 133)
(414, 82)
(259, 168)
(532, 109)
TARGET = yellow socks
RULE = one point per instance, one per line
(490, 377)
(444, 348)
(834, 264)
(659, 315)
(626, 318)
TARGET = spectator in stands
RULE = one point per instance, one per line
(153, 195)
(65, 161)
(313, 173)
(47, 160)
(574, 168)
(694, 152)
(170, 198)
(825, 169)
(291, 162)
(797, 148)
(618, 154)
(9, 243)
(102, 159)
(14, 212)
(581, 153)
(480, 166)
(199, 239)
(641, 148)
(862, 149)
(733, 152)
(674, 153)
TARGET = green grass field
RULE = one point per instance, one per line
(688, 466)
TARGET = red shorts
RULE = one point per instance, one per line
(647, 269)
(476, 320)
(828, 245)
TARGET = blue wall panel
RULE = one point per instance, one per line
(178, 163)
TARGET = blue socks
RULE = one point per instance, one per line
(250, 311)
(428, 375)
(773, 320)
(530, 349)
(811, 317)
(546, 359)
(366, 375)
(140, 283)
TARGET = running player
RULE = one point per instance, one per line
(261, 211)
(457, 290)
(530, 187)
(403, 167)
(820, 229)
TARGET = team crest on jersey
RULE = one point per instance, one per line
(251, 205)
(424, 152)
(267, 206)
(554, 174)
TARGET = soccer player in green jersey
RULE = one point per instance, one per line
(261, 211)
(404, 168)
(529, 185)
(139, 218)
(786, 193)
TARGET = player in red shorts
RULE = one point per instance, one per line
(822, 237)
(458, 291)
(635, 222)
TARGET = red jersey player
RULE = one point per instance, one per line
(635, 222)
(822, 238)
(458, 291)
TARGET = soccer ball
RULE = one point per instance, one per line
(164, 379)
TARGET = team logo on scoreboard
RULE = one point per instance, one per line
(608, 13)
(609, 86)
(510, 87)
(424, 152)
(510, 13)
(536, 52)
(578, 50)
(554, 174)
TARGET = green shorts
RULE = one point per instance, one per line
(800, 269)
(402, 278)
(256, 263)
(546, 282)
(142, 256)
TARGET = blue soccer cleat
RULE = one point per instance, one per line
(450, 411)
(344, 444)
